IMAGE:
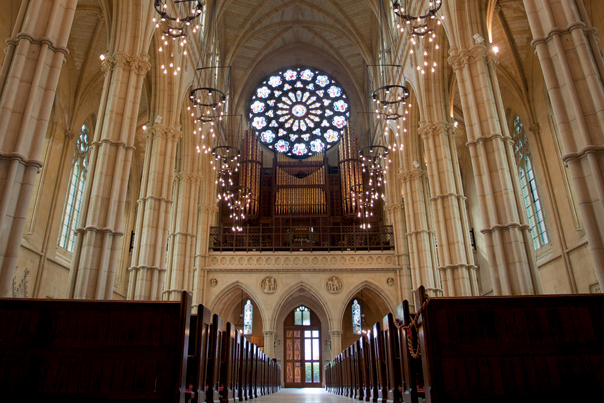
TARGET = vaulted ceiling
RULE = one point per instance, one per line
(261, 36)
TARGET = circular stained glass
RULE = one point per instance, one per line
(299, 112)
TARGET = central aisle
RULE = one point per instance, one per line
(306, 395)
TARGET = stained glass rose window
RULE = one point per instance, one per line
(299, 112)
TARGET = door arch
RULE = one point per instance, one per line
(302, 355)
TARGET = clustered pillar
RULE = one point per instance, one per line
(573, 68)
(28, 83)
(512, 267)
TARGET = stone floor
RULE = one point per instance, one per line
(306, 395)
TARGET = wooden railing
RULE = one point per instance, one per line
(493, 349)
(302, 238)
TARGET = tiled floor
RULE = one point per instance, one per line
(307, 395)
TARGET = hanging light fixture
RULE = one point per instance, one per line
(240, 323)
(175, 20)
(363, 199)
(421, 25)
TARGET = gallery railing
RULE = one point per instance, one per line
(304, 238)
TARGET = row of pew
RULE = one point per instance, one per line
(490, 349)
(101, 351)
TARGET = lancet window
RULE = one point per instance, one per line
(356, 318)
(75, 194)
(302, 316)
(248, 318)
(528, 184)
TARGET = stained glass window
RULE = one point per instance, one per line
(248, 318)
(299, 112)
(528, 184)
(356, 318)
(75, 191)
(302, 316)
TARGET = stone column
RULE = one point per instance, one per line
(182, 241)
(419, 234)
(396, 213)
(149, 255)
(573, 68)
(96, 249)
(28, 82)
(456, 261)
(269, 343)
(507, 237)
(336, 342)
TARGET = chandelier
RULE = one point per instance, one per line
(226, 164)
(389, 99)
(374, 161)
(237, 199)
(206, 98)
(364, 200)
(418, 23)
(176, 18)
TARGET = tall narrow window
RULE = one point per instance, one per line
(77, 181)
(356, 318)
(302, 316)
(248, 318)
(528, 183)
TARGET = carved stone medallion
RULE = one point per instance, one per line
(390, 281)
(334, 285)
(213, 282)
(269, 285)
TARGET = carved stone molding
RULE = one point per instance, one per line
(326, 262)
(37, 41)
(334, 285)
(213, 282)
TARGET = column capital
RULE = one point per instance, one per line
(161, 131)
(69, 135)
(427, 130)
(336, 333)
(269, 333)
(121, 60)
(394, 207)
(412, 174)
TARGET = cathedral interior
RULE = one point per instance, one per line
(300, 163)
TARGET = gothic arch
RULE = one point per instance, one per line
(230, 298)
(298, 294)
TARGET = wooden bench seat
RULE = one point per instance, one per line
(93, 351)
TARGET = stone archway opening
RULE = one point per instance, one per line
(231, 308)
(373, 308)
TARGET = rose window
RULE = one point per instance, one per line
(299, 112)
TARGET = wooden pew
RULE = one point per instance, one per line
(371, 389)
(512, 349)
(199, 352)
(358, 370)
(228, 364)
(380, 364)
(253, 371)
(392, 357)
(364, 365)
(214, 359)
(243, 369)
(93, 351)
(413, 380)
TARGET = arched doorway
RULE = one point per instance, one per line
(302, 355)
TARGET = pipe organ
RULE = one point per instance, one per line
(309, 191)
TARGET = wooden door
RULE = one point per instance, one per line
(302, 349)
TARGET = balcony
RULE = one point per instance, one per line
(302, 239)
